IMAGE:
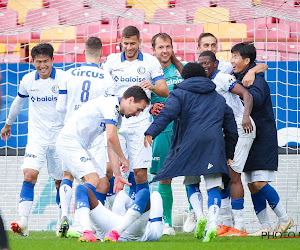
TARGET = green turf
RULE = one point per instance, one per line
(182, 241)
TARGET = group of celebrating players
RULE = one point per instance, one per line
(92, 123)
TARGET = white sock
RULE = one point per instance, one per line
(83, 214)
(213, 213)
(238, 216)
(225, 217)
(76, 221)
(197, 204)
(110, 200)
(122, 203)
(65, 193)
(58, 212)
(280, 211)
(264, 219)
(156, 203)
(24, 210)
(130, 217)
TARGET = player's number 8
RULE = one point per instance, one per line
(85, 91)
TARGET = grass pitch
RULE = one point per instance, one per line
(182, 241)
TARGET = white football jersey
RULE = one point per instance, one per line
(89, 121)
(224, 84)
(130, 73)
(84, 83)
(225, 67)
(44, 122)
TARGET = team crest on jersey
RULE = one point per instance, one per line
(177, 73)
(55, 89)
(141, 70)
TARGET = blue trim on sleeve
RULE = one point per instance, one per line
(232, 85)
(158, 78)
(63, 91)
(156, 219)
(123, 56)
(111, 122)
(23, 96)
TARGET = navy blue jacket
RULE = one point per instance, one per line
(198, 146)
(264, 151)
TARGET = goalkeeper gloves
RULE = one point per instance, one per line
(156, 108)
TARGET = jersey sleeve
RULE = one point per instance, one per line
(111, 111)
(228, 69)
(156, 70)
(107, 63)
(229, 82)
(63, 84)
(23, 93)
(110, 85)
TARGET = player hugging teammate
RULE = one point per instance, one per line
(97, 101)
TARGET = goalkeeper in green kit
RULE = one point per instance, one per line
(163, 50)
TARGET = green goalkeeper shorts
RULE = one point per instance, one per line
(160, 149)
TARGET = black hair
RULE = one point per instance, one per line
(192, 69)
(246, 50)
(42, 49)
(164, 36)
(210, 54)
(137, 93)
(206, 34)
(130, 31)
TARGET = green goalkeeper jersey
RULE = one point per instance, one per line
(173, 77)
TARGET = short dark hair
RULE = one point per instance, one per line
(93, 45)
(164, 36)
(246, 50)
(42, 49)
(137, 93)
(206, 34)
(192, 69)
(130, 31)
(210, 54)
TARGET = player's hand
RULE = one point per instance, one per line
(119, 184)
(247, 125)
(5, 132)
(148, 140)
(124, 164)
(228, 162)
(156, 108)
(147, 85)
(248, 79)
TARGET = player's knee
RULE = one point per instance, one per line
(109, 172)
(235, 178)
(258, 185)
(103, 186)
(68, 175)
(30, 175)
(140, 175)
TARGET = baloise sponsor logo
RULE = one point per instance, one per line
(44, 99)
(129, 79)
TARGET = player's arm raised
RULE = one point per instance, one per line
(250, 76)
(248, 104)
(14, 111)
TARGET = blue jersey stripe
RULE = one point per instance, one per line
(111, 122)
(23, 96)
(64, 91)
(158, 78)
(232, 85)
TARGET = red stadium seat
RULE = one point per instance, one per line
(5, 15)
(83, 15)
(263, 55)
(8, 58)
(253, 23)
(272, 30)
(38, 18)
(149, 30)
(108, 48)
(173, 15)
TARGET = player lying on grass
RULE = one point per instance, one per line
(129, 220)
(262, 161)
(91, 120)
(201, 119)
(227, 86)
